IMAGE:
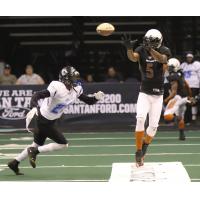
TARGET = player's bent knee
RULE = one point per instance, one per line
(169, 117)
(140, 123)
(34, 145)
(151, 131)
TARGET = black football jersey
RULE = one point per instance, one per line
(179, 77)
(152, 71)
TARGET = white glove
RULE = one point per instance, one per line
(99, 95)
(30, 116)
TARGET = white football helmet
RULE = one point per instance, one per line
(174, 64)
(153, 38)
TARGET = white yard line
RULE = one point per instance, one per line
(99, 138)
(64, 166)
(18, 146)
(11, 156)
(68, 180)
(82, 166)
(90, 133)
(8, 156)
(75, 133)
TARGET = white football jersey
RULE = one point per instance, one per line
(192, 73)
(60, 97)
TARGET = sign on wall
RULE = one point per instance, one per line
(118, 105)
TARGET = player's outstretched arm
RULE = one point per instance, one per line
(132, 56)
(130, 45)
(39, 95)
(91, 99)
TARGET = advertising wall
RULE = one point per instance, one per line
(116, 110)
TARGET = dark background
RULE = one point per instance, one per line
(50, 42)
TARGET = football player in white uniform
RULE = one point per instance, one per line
(57, 97)
(152, 57)
(180, 94)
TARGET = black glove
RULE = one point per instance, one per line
(128, 43)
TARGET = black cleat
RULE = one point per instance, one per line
(181, 135)
(139, 158)
(13, 165)
(32, 154)
(144, 148)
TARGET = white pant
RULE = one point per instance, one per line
(176, 106)
(152, 105)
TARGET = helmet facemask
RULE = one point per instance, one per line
(152, 42)
(69, 76)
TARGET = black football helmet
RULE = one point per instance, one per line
(69, 75)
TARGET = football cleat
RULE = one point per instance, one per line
(13, 165)
(144, 150)
(181, 135)
(32, 154)
(139, 158)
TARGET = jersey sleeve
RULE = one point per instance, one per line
(166, 51)
(138, 49)
(79, 90)
(52, 88)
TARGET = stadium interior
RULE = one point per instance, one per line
(101, 135)
(50, 42)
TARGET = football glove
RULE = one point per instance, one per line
(30, 116)
(128, 42)
(99, 95)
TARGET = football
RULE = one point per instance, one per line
(105, 29)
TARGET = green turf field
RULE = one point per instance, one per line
(90, 155)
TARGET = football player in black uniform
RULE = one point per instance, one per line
(152, 58)
(180, 94)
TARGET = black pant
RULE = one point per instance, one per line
(46, 129)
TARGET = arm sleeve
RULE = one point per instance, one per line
(52, 88)
(166, 51)
(138, 49)
(88, 100)
(39, 95)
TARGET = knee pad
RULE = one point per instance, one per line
(169, 117)
(151, 131)
(140, 124)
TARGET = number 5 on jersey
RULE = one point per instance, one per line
(149, 70)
